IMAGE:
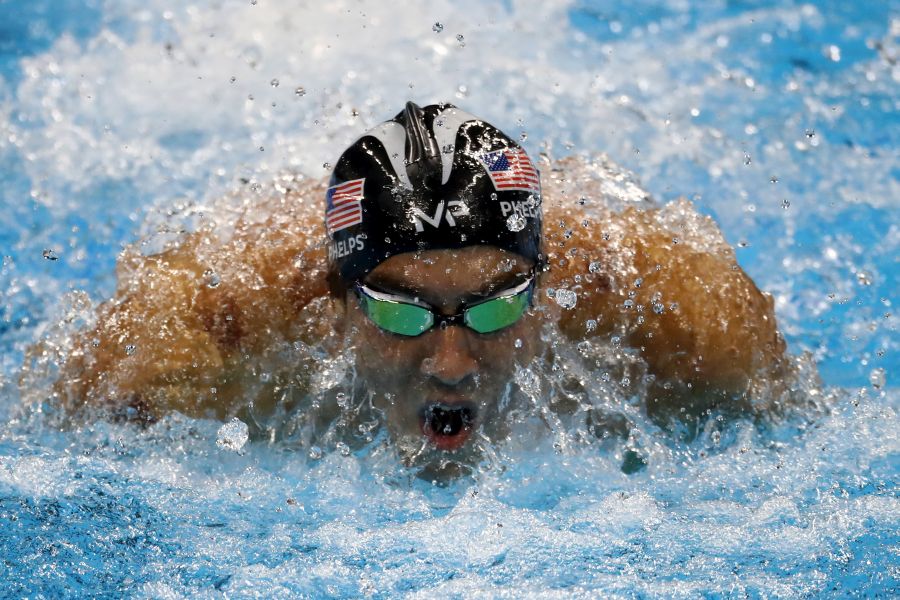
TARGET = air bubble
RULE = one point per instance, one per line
(49, 255)
(437, 27)
(274, 83)
(517, 343)
(461, 40)
(130, 349)
(300, 91)
(594, 267)
(315, 452)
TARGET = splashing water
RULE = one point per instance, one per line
(123, 122)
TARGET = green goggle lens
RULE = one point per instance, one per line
(392, 314)
(497, 313)
(396, 317)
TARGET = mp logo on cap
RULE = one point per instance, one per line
(454, 208)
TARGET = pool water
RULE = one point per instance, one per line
(780, 120)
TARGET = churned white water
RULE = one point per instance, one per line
(122, 121)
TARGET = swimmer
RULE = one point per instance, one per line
(441, 263)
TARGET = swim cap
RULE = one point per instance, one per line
(430, 178)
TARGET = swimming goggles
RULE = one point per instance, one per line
(405, 316)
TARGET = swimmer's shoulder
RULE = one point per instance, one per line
(189, 327)
(665, 282)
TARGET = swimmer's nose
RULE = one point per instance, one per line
(451, 360)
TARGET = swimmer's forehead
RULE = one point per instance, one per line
(440, 275)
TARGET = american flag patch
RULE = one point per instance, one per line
(511, 169)
(343, 205)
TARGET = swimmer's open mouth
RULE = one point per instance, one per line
(448, 426)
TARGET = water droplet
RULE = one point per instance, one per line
(629, 303)
(517, 343)
(810, 133)
(773, 179)
(494, 196)
(274, 83)
(211, 278)
(343, 400)
(527, 380)
(460, 40)
(864, 278)
(49, 255)
(447, 149)
(658, 308)
(566, 298)
(326, 165)
(299, 91)
(130, 349)
(638, 282)
(594, 267)
(233, 79)
(785, 204)
(315, 452)
(590, 325)
(877, 378)
(515, 222)
(233, 435)
(437, 27)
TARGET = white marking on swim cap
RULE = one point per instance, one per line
(392, 136)
(446, 124)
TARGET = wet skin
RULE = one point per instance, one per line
(438, 388)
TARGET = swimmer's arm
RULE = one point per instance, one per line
(702, 326)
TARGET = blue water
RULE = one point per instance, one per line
(778, 119)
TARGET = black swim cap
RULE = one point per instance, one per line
(430, 178)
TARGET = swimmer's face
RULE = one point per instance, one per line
(439, 388)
